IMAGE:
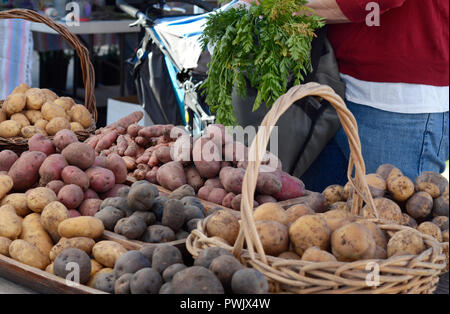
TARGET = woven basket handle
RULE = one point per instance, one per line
(82, 52)
(258, 148)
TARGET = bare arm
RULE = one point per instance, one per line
(329, 10)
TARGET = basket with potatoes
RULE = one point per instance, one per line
(421, 204)
(29, 111)
(301, 250)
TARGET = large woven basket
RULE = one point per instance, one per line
(20, 144)
(400, 274)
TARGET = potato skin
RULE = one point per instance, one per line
(334, 193)
(51, 110)
(387, 210)
(79, 154)
(314, 254)
(130, 262)
(271, 211)
(196, 280)
(51, 217)
(7, 159)
(431, 182)
(4, 246)
(74, 175)
(224, 268)
(249, 281)
(41, 144)
(405, 242)
(101, 180)
(420, 205)
(81, 114)
(6, 184)
(308, 231)
(224, 225)
(71, 196)
(84, 226)
(206, 158)
(145, 281)
(30, 130)
(109, 216)
(34, 233)
(10, 223)
(81, 243)
(90, 206)
(107, 252)
(173, 214)
(25, 171)
(35, 98)
(63, 138)
(117, 165)
(40, 197)
(28, 254)
(9, 128)
(14, 103)
(274, 236)
(19, 202)
(51, 168)
(431, 229)
(171, 175)
(401, 188)
(353, 242)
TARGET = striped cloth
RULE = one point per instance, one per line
(16, 55)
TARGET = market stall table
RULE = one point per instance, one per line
(120, 27)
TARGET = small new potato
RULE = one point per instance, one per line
(76, 127)
(35, 98)
(271, 211)
(33, 116)
(51, 110)
(49, 95)
(29, 131)
(308, 231)
(41, 123)
(431, 182)
(431, 229)
(81, 243)
(4, 246)
(40, 197)
(334, 193)
(107, 252)
(79, 154)
(51, 217)
(57, 124)
(353, 242)
(224, 225)
(10, 223)
(274, 236)
(297, 211)
(93, 279)
(6, 184)
(34, 233)
(401, 188)
(377, 185)
(405, 242)
(387, 210)
(206, 256)
(65, 102)
(420, 205)
(314, 254)
(83, 226)
(22, 88)
(71, 196)
(14, 103)
(158, 234)
(378, 235)
(9, 128)
(28, 254)
(337, 218)
(80, 114)
(21, 119)
(441, 222)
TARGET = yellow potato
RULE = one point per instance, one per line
(22, 88)
(308, 231)
(9, 128)
(274, 236)
(40, 197)
(28, 254)
(20, 118)
(95, 267)
(405, 242)
(271, 211)
(223, 224)
(41, 123)
(33, 115)
(80, 114)
(4, 246)
(93, 278)
(65, 102)
(82, 243)
(83, 226)
(387, 210)
(289, 255)
(107, 252)
(35, 98)
(314, 254)
(14, 103)
(353, 242)
(379, 235)
(3, 116)
(31, 130)
(51, 110)
(431, 229)
(75, 127)
(57, 124)
(337, 218)
(33, 232)
(49, 269)
(10, 223)
(19, 202)
(297, 211)
(49, 95)
(51, 217)
(6, 184)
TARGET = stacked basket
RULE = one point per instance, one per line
(398, 274)
(20, 144)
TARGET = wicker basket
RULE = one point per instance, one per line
(401, 274)
(20, 144)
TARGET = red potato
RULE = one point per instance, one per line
(106, 141)
(150, 176)
(262, 199)
(216, 195)
(214, 183)
(133, 129)
(236, 202)
(117, 165)
(171, 175)
(151, 131)
(90, 194)
(90, 207)
(74, 175)
(112, 192)
(71, 196)
(39, 143)
(269, 182)
(74, 213)
(55, 185)
(224, 164)
(142, 141)
(218, 134)
(203, 192)
(132, 147)
(25, 170)
(63, 138)
(139, 174)
(193, 178)
(181, 150)
(93, 140)
(100, 161)
(235, 152)
(52, 168)
(101, 180)
(125, 122)
(207, 158)
(80, 155)
(231, 179)
(292, 187)
(163, 154)
(226, 202)
(7, 159)
(130, 162)
(144, 158)
(122, 145)
(153, 161)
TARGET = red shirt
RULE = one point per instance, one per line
(411, 45)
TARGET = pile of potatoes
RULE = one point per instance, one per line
(422, 204)
(65, 168)
(140, 213)
(160, 269)
(167, 156)
(301, 233)
(29, 111)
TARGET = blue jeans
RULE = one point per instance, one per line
(412, 142)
